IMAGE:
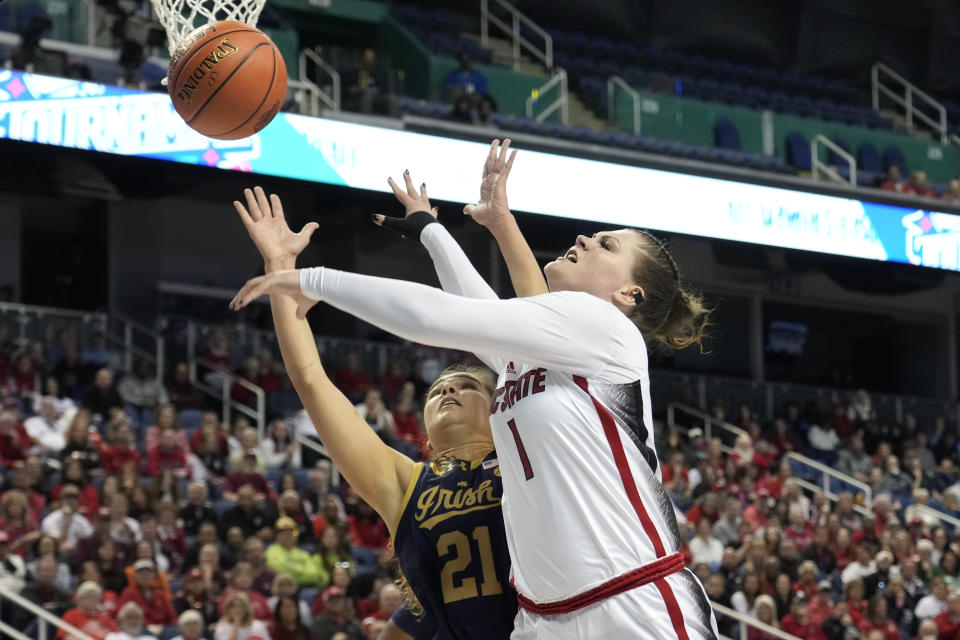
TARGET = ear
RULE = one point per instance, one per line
(428, 448)
(630, 296)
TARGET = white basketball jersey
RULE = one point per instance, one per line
(583, 501)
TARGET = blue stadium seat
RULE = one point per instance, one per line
(190, 419)
(894, 156)
(220, 507)
(726, 135)
(274, 477)
(868, 158)
(308, 595)
(834, 158)
(169, 632)
(798, 151)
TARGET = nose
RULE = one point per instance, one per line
(447, 389)
(582, 242)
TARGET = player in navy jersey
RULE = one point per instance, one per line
(445, 518)
(571, 419)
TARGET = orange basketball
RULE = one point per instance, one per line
(227, 80)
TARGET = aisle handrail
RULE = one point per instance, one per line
(44, 617)
(906, 101)
(544, 55)
(559, 80)
(612, 83)
(227, 380)
(829, 472)
(317, 94)
(747, 621)
(818, 166)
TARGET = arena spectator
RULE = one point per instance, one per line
(798, 622)
(876, 582)
(191, 626)
(168, 454)
(46, 548)
(13, 571)
(464, 82)
(819, 551)
(824, 441)
(280, 449)
(900, 604)
(367, 529)
(123, 528)
(389, 599)
(876, 619)
(375, 413)
(767, 614)
(895, 482)
(65, 524)
(336, 617)
(241, 582)
(80, 445)
(948, 620)
(918, 185)
(43, 589)
(704, 547)
(17, 522)
(248, 514)
(821, 604)
(405, 420)
(102, 396)
(284, 557)
(44, 428)
(86, 616)
(238, 621)
(153, 601)
(14, 440)
(318, 485)
(195, 597)
(121, 451)
(182, 393)
(284, 586)
(893, 181)
(935, 602)
(928, 630)
(246, 474)
(197, 509)
(140, 388)
(287, 624)
(862, 566)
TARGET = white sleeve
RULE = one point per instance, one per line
(457, 274)
(569, 331)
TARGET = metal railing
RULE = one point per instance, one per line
(612, 83)
(558, 82)
(44, 619)
(706, 422)
(747, 621)
(487, 17)
(222, 391)
(945, 518)
(826, 473)
(314, 93)
(904, 95)
(818, 166)
(131, 339)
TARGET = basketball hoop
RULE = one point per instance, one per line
(181, 17)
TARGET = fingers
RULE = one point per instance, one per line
(509, 164)
(378, 219)
(469, 209)
(252, 206)
(491, 157)
(411, 190)
(244, 214)
(423, 191)
(308, 229)
(262, 201)
(504, 148)
(276, 206)
(397, 191)
(254, 288)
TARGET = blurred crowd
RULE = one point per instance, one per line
(130, 508)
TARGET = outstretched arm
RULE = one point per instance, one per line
(378, 473)
(569, 331)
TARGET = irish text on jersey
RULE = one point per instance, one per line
(437, 504)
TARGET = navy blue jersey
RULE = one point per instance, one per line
(421, 626)
(453, 550)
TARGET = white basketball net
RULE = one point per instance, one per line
(180, 17)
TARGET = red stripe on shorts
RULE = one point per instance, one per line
(673, 608)
(623, 467)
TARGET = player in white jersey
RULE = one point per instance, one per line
(592, 534)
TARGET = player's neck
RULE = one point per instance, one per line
(472, 450)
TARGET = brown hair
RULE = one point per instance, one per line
(669, 314)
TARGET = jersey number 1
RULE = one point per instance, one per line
(524, 460)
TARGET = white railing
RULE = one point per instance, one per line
(44, 618)
(828, 472)
(133, 332)
(225, 381)
(559, 83)
(747, 621)
(710, 424)
(314, 92)
(945, 518)
(612, 83)
(904, 94)
(487, 17)
(818, 166)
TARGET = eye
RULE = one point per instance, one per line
(605, 244)
(468, 385)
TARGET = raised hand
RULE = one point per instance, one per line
(268, 228)
(415, 202)
(286, 282)
(492, 208)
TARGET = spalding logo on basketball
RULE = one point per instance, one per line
(227, 80)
